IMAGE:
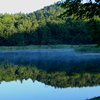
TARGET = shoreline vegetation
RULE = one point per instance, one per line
(81, 48)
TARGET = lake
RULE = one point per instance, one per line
(49, 74)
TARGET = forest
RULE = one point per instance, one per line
(43, 27)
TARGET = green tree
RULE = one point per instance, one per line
(89, 10)
(44, 27)
(79, 10)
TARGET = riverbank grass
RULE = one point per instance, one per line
(35, 47)
(87, 48)
(82, 48)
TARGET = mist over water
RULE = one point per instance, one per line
(77, 84)
(53, 59)
(58, 56)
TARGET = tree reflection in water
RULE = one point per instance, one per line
(78, 75)
(57, 68)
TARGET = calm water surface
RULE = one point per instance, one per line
(21, 83)
(28, 90)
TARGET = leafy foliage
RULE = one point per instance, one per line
(89, 10)
(79, 10)
(42, 27)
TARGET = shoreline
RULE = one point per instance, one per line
(80, 48)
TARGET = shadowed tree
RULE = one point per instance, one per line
(80, 9)
(88, 10)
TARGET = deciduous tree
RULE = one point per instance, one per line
(89, 10)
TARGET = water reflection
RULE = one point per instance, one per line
(58, 77)
(58, 69)
(39, 91)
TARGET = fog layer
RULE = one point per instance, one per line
(49, 56)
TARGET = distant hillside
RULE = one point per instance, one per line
(42, 27)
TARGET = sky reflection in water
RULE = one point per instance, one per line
(28, 90)
(39, 91)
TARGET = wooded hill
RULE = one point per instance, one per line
(43, 27)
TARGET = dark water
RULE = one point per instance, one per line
(49, 74)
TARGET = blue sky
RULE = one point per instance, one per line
(24, 6)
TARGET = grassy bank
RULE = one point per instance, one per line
(87, 48)
(34, 47)
(83, 48)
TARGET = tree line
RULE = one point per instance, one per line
(43, 27)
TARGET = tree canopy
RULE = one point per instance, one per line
(80, 9)
(43, 27)
(89, 10)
